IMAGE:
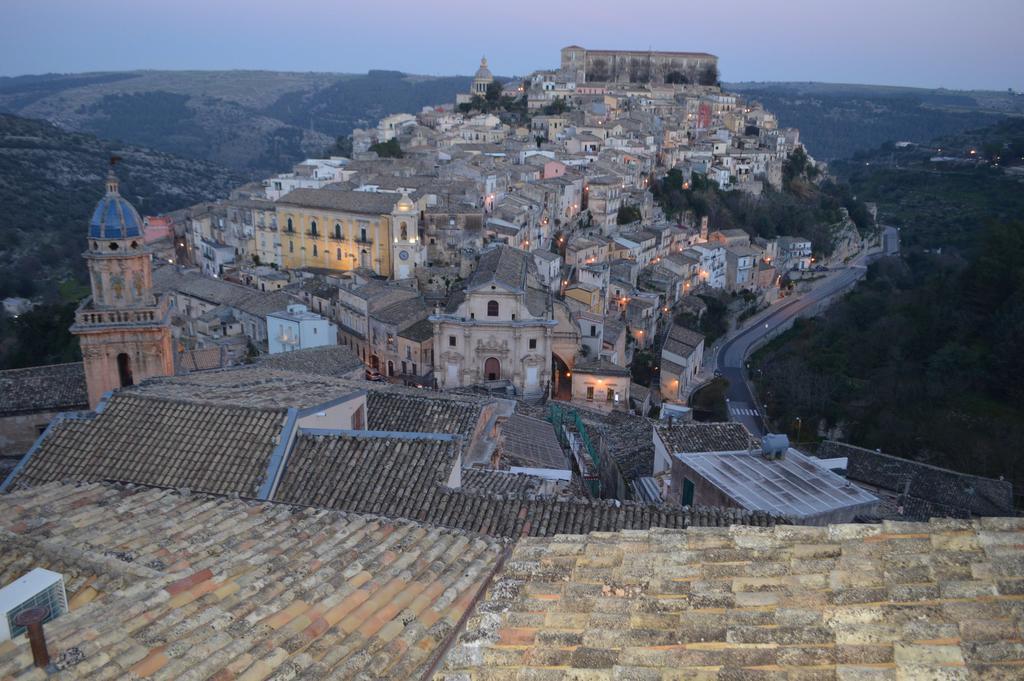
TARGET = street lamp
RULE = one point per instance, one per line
(799, 426)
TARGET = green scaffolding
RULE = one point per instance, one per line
(560, 416)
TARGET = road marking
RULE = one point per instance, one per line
(740, 411)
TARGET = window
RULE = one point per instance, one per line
(337, 230)
(451, 341)
(314, 250)
(314, 330)
(290, 227)
(593, 330)
(337, 254)
(611, 394)
(590, 393)
(492, 308)
(312, 227)
(362, 233)
(533, 343)
(291, 246)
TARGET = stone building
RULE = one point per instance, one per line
(501, 327)
(344, 230)
(639, 66)
(123, 328)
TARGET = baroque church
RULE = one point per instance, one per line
(123, 328)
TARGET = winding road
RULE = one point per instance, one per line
(733, 354)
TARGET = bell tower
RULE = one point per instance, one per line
(123, 328)
(408, 251)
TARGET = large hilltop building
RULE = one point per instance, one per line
(639, 66)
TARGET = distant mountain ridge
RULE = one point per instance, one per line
(50, 181)
(254, 121)
(837, 120)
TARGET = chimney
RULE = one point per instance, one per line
(32, 619)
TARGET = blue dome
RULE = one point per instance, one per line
(114, 217)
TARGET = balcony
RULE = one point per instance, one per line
(91, 317)
(363, 240)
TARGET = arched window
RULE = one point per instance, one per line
(405, 232)
(312, 228)
(124, 369)
(492, 308)
(291, 227)
(337, 230)
(314, 250)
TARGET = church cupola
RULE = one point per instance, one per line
(120, 269)
(482, 79)
(114, 217)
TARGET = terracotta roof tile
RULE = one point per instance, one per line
(217, 449)
(407, 478)
(223, 588)
(935, 600)
(56, 387)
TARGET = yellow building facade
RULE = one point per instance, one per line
(346, 230)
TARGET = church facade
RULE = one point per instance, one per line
(123, 328)
(501, 328)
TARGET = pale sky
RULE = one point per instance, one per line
(929, 43)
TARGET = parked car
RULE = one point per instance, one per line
(374, 375)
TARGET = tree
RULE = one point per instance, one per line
(389, 149)
(493, 92)
(628, 214)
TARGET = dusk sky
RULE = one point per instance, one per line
(930, 43)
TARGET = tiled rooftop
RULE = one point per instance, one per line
(263, 385)
(926, 490)
(335, 361)
(160, 442)
(499, 482)
(899, 601)
(503, 265)
(219, 292)
(367, 203)
(408, 478)
(417, 411)
(196, 587)
(705, 437)
(397, 477)
(529, 442)
(56, 387)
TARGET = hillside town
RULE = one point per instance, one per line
(494, 255)
(427, 409)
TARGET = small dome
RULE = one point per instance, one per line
(114, 217)
(483, 73)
